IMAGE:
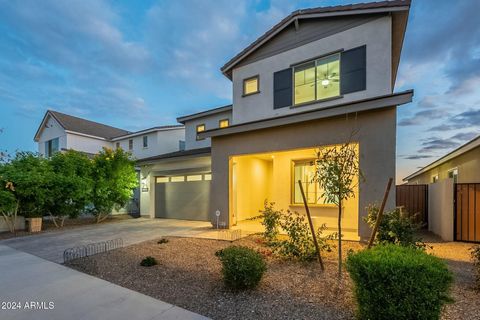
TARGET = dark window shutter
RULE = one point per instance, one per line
(353, 70)
(282, 88)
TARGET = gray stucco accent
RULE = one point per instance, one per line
(377, 143)
(308, 30)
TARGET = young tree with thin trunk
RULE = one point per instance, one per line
(337, 172)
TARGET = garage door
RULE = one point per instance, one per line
(183, 197)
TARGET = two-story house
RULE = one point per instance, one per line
(309, 82)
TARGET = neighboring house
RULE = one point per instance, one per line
(308, 82)
(462, 165)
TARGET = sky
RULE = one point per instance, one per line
(138, 64)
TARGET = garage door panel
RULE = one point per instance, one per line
(183, 200)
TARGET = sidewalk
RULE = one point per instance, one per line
(58, 292)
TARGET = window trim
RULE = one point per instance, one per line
(257, 76)
(48, 145)
(299, 64)
(130, 144)
(220, 123)
(197, 132)
(145, 139)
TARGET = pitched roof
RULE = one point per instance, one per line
(177, 154)
(84, 126)
(382, 6)
(453, 154)
(205, 113)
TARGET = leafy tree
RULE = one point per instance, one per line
(28, 175)
(114, 181)
(337, 172)
(8, 204)
(70, 185)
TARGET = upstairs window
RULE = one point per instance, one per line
(200, 128)
(145, 141)
(224, 123)
(130, 144)
(51, 146)
(317, 80)
(251, 86)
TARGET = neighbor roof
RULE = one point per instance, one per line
(177, 154)
(319, 12)
(205, 113)
(455, 153)
(83, 126)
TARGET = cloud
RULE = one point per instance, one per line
(422, 117)
(466, 119)
(434, 144)
(417, 157)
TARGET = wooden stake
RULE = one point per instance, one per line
(380, 213)
(312, 229)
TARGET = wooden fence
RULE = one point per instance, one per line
(467, 212)
(414, 199)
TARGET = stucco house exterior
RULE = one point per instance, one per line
(308, 83)
(462, 165)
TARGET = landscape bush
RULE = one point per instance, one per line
(298, 243)
(148, 262)
(395, 227)
(242, 267)
(398, 282)
(475, 251)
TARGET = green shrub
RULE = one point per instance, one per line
(476, 263)
(395, 282)
(148, 262)
(395, 227)
(271, 222)
(299, 243)
(243, 267)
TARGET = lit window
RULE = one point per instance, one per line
(130, 144)
(207, 176)
(224, 123)
(162, 179)
(305, 172)
(453, 174)
(196, 177)
(317, 80)
(177, 179)
(435, 178)
(51, 146)
(145, 141)
(200, 128)
(250, 86)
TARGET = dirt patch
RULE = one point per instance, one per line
(188, 275)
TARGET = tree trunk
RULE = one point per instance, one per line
(340, 239)
(100, 218)
(54, 220)
(62, 222)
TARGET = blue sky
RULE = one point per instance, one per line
(137, 64)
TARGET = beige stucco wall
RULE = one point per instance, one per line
(440, 209)
(376, 137)
(468, 165)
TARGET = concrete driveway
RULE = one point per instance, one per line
(51, 245)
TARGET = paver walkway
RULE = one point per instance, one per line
(50, 245)
(52, 291)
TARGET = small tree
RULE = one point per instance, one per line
(8, 205)
(28, 175)
(337, 171)
(114, 179)
(70, 185)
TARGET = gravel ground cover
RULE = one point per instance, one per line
(188, 275)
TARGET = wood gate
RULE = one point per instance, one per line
(467, 212)
(414, 199)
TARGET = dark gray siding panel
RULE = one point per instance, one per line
(282, 88)
(353, 70)
(308, 31)
(183, 200)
